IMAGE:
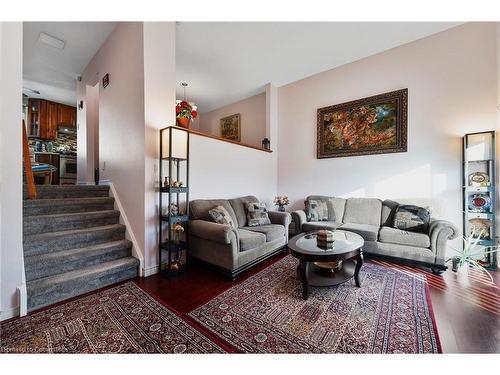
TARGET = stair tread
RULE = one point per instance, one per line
(91, 271)
(55, 201)
(83, 251)
(50, 235)
(74, 214)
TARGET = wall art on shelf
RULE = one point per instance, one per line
(373, 125)
(230, 127)
(480, 202)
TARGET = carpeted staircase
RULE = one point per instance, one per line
(73, 243)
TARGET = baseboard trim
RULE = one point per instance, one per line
(129, 234)
(9, 314)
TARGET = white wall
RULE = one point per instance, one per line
(224, 170)
(159, 110)
(452, 84)
(121, 119)
(253, 119)
(11, 180)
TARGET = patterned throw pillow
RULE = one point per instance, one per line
(316, 210)
(412, 218)
(257, 214)
(220, 215)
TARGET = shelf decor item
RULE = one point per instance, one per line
(281, 201)
(173, 200)
(479, 192)
(373, 125)
(185, 111)
(325, 239)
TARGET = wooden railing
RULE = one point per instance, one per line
(30, 180)
(197, 132)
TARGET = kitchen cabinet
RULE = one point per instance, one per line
(44, 117)
(52, 159)
(66, 115)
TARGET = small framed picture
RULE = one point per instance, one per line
(105, 80)
(230, 127)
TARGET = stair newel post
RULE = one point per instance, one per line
(169, 225)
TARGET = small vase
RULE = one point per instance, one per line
(183, 122)
(281, 208)
(454, 265)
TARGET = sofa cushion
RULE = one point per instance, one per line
(336, 208)
(402, 237)
(257, 214)
(250, 240)
(271, 231)
(412, 218)
(317, 225)
(220, 215)
(363, 211)
(240, 208)
(389, 209)
(198, 208)
(367, 231)
(316, 210)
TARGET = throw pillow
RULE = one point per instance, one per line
(316, 210)
(257, 214)
(220, 215)
(412, 218)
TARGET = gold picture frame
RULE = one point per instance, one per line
(230, 127)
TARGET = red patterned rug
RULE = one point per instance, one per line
(123, 319)
(390, 313)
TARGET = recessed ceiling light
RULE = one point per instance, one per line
(51, 41)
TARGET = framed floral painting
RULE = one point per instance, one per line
(373, 125)
(230, 127)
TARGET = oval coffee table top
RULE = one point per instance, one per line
(345, 242)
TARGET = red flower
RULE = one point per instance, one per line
(184, 104)
(194, 114)
(177, 109)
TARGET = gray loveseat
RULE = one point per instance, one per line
(233, 250)
(373, 219)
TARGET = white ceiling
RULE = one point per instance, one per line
(224, 62)
(53, 72)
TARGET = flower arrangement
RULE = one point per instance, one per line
(281, 201)
(185, 109)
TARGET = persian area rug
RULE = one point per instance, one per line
(390, 313)
(123, 319)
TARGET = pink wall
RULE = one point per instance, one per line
(253, 119)
(452, 84)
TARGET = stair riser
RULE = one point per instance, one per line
(72, 241)
(36, 270)
(37, 224)
(60, 292)
(59, 192)
(66, 209)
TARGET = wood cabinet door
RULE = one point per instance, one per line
(43, 119)
(66, 115)
(51, 120)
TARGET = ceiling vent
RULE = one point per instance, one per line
(51, 41)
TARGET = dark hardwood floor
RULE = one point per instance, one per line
(466, 307)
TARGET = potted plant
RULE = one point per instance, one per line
(468, 256)
(281, 201)
(185, 113)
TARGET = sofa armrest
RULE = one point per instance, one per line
(440, 231)
(299, 218)
(213, 231)
(278, 217)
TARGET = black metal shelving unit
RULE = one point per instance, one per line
(479, 159)
(174, 164)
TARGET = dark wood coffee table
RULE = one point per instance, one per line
(314, 269)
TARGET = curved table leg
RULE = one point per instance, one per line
(303, 278)
(359, 263)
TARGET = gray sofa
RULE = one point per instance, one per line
(231, 250)
(373, 219)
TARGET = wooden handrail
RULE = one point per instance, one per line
(197, 132)
(30, 180)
